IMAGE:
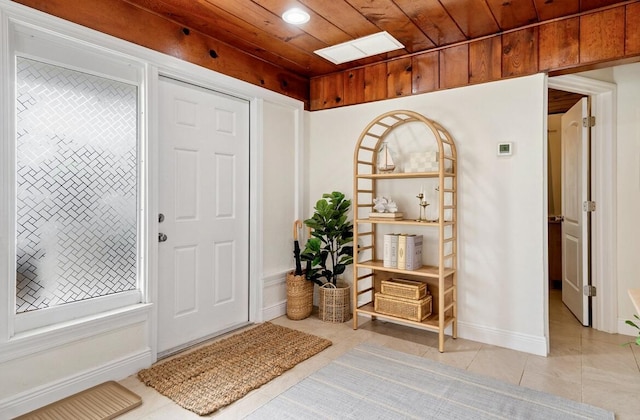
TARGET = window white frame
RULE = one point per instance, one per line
(24, 40)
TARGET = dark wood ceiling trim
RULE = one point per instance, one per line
(588, 40)
(559, 44)
(520, 52)
(602, 35)
(632, 39)
(115, 18)
(485, 60)
(596, 33)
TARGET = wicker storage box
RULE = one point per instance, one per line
(411, 309)
(408, 289)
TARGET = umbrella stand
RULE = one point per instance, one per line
(299, 289)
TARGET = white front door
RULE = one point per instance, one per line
(575, 192)
(204, 197)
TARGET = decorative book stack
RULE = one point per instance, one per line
(386, 216)
(402, 251)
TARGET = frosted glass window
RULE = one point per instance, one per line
(76, 186)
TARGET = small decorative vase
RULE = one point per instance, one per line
(299, 296)
(334, 303)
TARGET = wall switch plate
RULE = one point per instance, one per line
(505, 149)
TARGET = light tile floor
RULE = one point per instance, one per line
(584, 364)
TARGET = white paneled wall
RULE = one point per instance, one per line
(281, 184)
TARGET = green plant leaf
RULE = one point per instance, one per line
(633, 324)
(329, 249)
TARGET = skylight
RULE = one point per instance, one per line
(359, 48)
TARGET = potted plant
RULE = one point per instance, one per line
(328, 252)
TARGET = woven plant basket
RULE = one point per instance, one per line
(334, 303)
(299, 296)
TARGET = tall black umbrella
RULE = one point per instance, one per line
(296, 247)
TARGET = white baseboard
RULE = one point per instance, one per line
(278, 308)
(35, 398)
(516, 341)
(274, 311)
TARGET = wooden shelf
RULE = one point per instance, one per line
(424, 271)
(402, 222)
(368, 266)
(404, 175)
(430, 323)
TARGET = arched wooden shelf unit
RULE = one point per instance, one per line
(368, 272)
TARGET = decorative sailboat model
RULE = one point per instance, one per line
(385, 162)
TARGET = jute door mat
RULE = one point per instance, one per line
(220, 373)
(102, 402)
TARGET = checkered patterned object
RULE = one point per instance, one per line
(422, 162)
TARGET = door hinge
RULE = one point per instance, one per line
(590, 291)
(589, 122)
(589, 206)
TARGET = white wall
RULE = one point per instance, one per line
(281, 183)
(627, 78)
(502, 200)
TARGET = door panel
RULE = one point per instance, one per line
(186, 184)
(204, 195)
(185, 292)
(575, 169)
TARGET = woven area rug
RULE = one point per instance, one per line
(213, 376)
(374, 382)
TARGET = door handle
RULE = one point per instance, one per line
(162, 237)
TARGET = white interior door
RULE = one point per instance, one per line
(204, 197)
(575, 185)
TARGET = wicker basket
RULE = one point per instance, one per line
(334, 303)
(408, 289)
(299, 296)
(411, 309)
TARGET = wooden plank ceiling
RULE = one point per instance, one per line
(255, 26)
(447, 43)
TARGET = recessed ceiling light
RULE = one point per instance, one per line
(296, 16)
(366, 46)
